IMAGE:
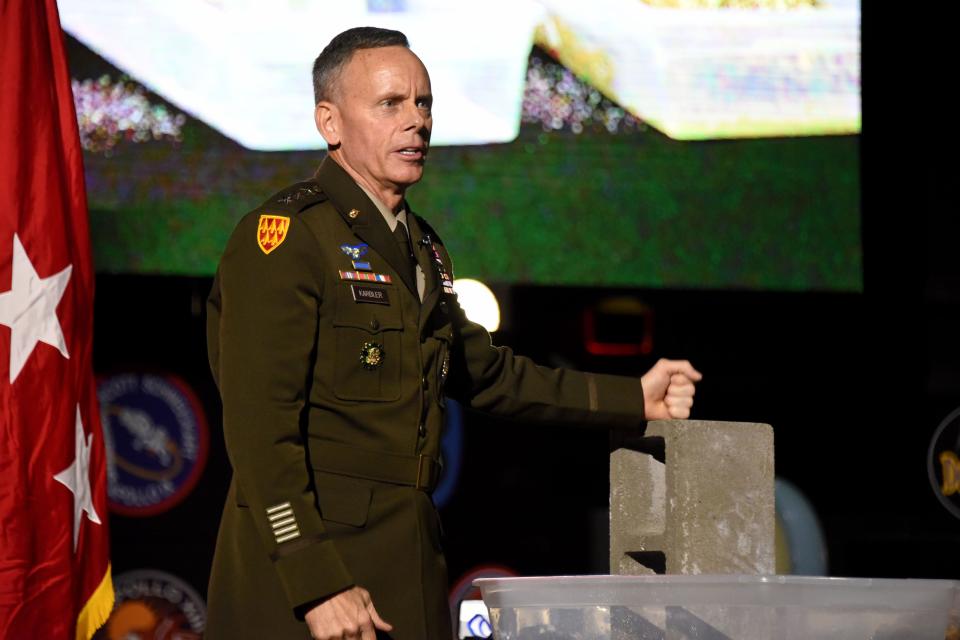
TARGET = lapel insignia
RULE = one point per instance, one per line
(366, 276)
(355, 251)
(271, 232)
(371, 355)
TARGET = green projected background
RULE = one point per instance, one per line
(630, 207)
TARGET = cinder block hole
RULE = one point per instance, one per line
(634, 440)
(653, 446)
(656, 561)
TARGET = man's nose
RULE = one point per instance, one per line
(415, 116)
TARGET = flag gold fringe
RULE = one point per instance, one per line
(97, 609)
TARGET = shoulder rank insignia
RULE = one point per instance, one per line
(272, 231)
(371, 356)
(296, 197)
(355, 251)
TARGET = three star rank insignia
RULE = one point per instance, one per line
(272, 231)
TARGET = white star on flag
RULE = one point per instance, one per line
(29, 308)
(76, 478)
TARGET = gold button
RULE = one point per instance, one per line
(353, 213)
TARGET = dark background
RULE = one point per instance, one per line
(854, 384)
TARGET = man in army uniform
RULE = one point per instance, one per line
(334, 336)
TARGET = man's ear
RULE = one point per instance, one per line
(327, 117)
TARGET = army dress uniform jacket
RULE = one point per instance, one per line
(333, 375)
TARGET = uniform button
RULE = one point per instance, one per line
(422, 430)
(443, 306)
(374, 324)
(423, 382)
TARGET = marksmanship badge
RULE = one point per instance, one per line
(272, 231)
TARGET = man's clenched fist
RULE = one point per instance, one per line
(668, 390)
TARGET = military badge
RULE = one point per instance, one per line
(445, 368)
(355, 251)
(371, 356)
(366, 276)
(272, 231)
(445, 280)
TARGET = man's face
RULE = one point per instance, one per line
(383, 117)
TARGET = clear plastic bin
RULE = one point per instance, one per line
(727, 607)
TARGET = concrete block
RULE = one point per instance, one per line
(693, 497)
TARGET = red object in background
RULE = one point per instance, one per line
(620, 326)
(54, 545)
(463, 588)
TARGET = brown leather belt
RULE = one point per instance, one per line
(418, 471)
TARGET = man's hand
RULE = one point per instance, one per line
(349, 614)
(668, 390)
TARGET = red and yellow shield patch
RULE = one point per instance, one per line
(272, 231)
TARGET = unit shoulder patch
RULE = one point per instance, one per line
(271, 231)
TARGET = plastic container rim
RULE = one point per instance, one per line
(725, 590)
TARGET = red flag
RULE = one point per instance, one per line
(54, 547)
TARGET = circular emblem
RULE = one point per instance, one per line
(943, 463)
(154, 604)
(466, 608)
(156, 438)
(371, 356)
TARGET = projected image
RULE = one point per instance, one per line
(564, 168)
(695, 69)
(243, 66)
(701, 69)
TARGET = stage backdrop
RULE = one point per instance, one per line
(649, 143)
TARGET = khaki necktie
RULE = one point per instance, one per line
(403, 240)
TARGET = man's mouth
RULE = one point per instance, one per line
(413, 153)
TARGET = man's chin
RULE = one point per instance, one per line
(409, 176)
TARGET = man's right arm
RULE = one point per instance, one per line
(262, 346)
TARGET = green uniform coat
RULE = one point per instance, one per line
(333, 409)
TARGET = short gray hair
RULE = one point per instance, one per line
(327, 66)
